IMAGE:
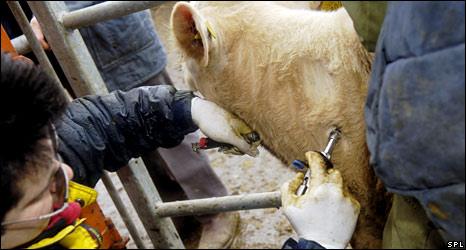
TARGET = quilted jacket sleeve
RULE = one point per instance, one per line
(104, 132)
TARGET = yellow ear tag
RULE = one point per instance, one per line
(209, 29)
(330, 5)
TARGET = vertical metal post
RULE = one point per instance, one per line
(69, 48)
(122, 210)
(136, 181)
(47, 66)
(85, 79)
(23, 23)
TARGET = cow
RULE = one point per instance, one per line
(293, 75)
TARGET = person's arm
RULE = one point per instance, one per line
(105, 132)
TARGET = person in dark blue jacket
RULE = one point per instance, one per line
(415, 128)
(415, 121)
(94, 133)
(129, 53)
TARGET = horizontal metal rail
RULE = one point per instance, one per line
(91, 15)
(143, 194)
(21, 45)
(218, 204)
(104, 11)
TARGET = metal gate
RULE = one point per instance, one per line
(60, 26)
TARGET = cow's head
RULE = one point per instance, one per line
(215, 52)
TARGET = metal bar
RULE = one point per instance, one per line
(104, 11)
(21, 45)
(121, 207)
(23, 23)
(91, 15)
(142, 192)
(69, 48)
(84, 77)
(219, 204)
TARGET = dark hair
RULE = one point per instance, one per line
(29, 101)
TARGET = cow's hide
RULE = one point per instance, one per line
(292, 74)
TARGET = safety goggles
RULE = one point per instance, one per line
(58, 187)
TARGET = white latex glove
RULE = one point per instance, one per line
(222, 126)
(38, 32)
(326, 213)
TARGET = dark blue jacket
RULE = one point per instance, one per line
(126, 50)
(301, 244)
(415, 109)
(105, 132)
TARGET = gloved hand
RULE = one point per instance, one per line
(326, 213)
(222, 126)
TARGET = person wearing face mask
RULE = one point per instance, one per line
(45, 143)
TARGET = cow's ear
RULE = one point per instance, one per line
(191, 31)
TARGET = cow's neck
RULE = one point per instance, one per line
(292, 70)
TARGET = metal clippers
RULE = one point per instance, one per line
(332, 140)
(207, 143)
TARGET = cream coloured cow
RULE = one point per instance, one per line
(292, 74)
